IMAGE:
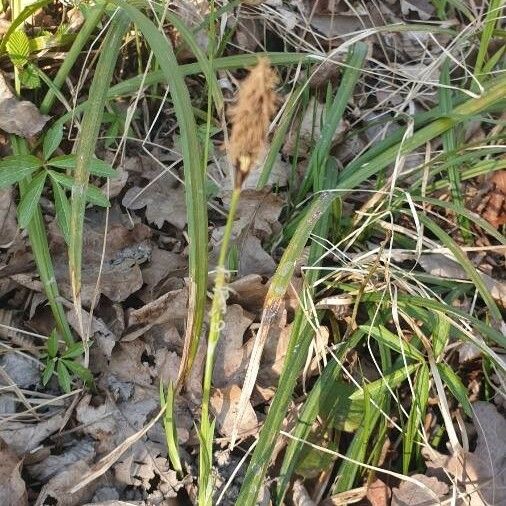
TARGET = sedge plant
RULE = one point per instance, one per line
(250, 116)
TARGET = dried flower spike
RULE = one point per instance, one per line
(250, 116)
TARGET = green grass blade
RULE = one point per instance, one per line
(85, 150)
(205, 63)
(420, 397)
(195, 192)
(323, 394)
(492, 19)
(389, 339)
(462, 259)
(449, 139)
(458, 390)
(378, 158)
(353, 68)
(92, 20)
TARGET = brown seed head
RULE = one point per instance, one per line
(250, 116)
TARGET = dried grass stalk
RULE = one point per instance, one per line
(250, 116)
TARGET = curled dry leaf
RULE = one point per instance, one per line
(53, 464)
(300, 495)
(423, 8)
(18, 117)
(482, 472)
(12, 486)
(231, 354)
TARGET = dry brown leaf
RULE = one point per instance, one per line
(423, 8)
(442, 266)
(300, 495)
(378, 493)
(24, 437)
(224, 403)
(12, 486)
(162, 202)
(57, 489)
(162, 265)
(18, 117)
(99, 332)
(304, 133)
(120, 271)
(221, 174)
(82, 450)
(483, 471)
(410, 494)
(8, 222)
(495, 209)
(231, 354)
(144, 465)
(169, 307)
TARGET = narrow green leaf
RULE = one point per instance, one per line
(205, 64)
(440, 335)
(48, 371)
(15, 168)
(322, 401)
(86, 146)
(383, 335)
(462, 259)
(195, 191)
(73, 351)
(62, 209)
(456, 387)
(30, 199)
(63, 376)
(93, 194)
(302, 332)
(40, 247)
(419, 402)
(79, 371)
(96, 167)
(52, 344)
(334, 114)
(52, 140)
(380, 386)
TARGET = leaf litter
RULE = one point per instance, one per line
(92, 447)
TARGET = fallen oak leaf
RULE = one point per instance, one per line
(482, 472)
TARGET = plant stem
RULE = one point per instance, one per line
(218, 308)
(38, 241)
